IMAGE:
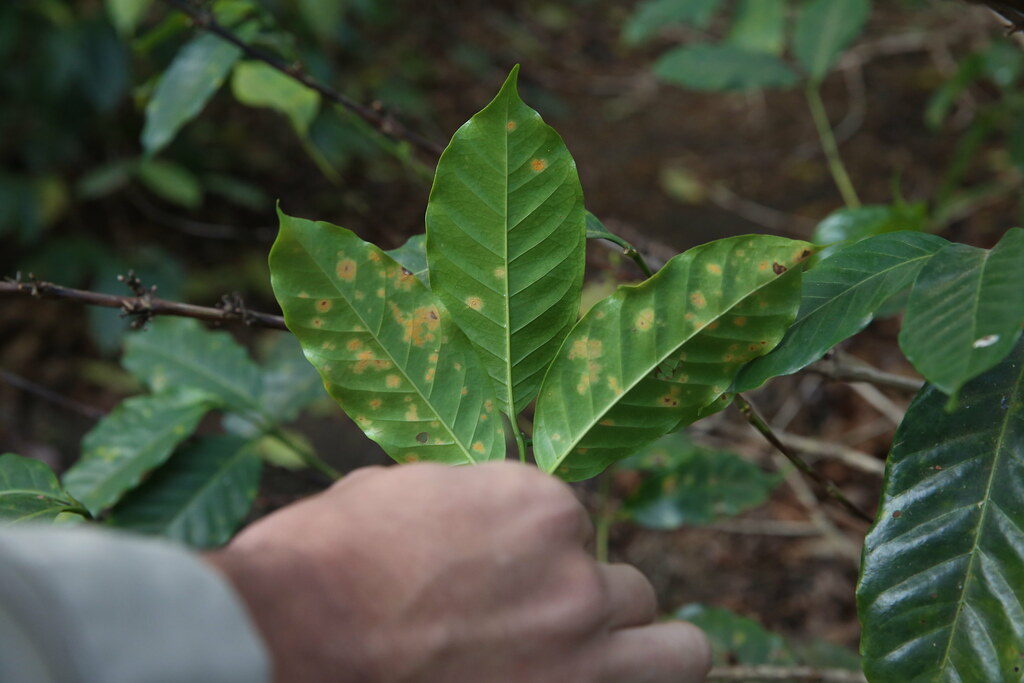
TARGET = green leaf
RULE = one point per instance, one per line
(651, 16)
(290, 383)
(853, 225)
(723, 67)
(760, 26)
(736, 639)
(824, 29)
(179, 352)
(413, 257)
(965, 311)
(841, 295)
(196, 73)
(942, 579)
(654, 356)
(171, 182)
(257, 84)
(199, 498)
(125, 15)
(387, 350)
(136, 437)
(505, 241)
(29, 491)
(692, 485)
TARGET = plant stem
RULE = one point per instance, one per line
(520, 443)
(828, 144)
(307, 456)
(758, 423)
(603, 521)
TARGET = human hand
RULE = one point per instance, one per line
(426, 573)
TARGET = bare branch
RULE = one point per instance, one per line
(791, 674)
(144, 306)
(384, 122)
(846, 368)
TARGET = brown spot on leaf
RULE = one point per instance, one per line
(422, 437)
(478, 447)
(538, 165)
(475, 302)
(510, 126)
(698, 300)
(346, 269)
(323, 305)
(897, 514)
(392, 381)
(778, 268)
(739, 322)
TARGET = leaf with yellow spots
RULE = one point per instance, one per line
(138, 436)
(393, 358)
(505, 241)
(656, 356)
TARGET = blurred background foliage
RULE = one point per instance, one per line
(130, 139)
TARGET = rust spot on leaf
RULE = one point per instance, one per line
(412, 413)
(763, 265)
(538, 165)
(698, 300)
(465, 391)
(669, 401)
(419, 327)
(475, 302)
(429, 376)
(317, 322)
(354, 345)
(478, 447)
(411, 457)
(714, 269)
(739, 322)
(392, 381)
(323, 305)
(644, 320)
(346, 269)
(375, 403)
(373, 256)
(510, 126)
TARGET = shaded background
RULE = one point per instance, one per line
(665, 167)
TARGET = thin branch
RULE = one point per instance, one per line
(848, 456)
(384, 122)
(791, 674)
(144, 306)
(846, 368)
(833, 491)
(828, 144)
(39, 390)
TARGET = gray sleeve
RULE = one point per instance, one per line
(87, 606)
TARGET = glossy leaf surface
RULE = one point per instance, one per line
(136, 437)
(965, 311)
(686, 484)
(653, 356)
(505, 241)
(180, 352)
(840, 297)
(723, 68)
(387, 350)
(196, 73)
(29, 491)
(824, 29)
(199, 498)
(942, 579)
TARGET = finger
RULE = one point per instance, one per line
(669, 652)
(630, 595)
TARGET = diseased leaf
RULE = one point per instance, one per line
(199, 498)
(257, 84)
(387, 349)
(29, 491)
(824, 29)
(840, 297)
(965, 311)
(691, 485)
(658, 355)
(138, 436)
(723, 68)
(180, 352)
(413, 257)
(942, 579)
(196, 73)
(505, 236)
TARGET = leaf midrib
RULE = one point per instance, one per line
(625, 392)
(969, 574)
(376, 338)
